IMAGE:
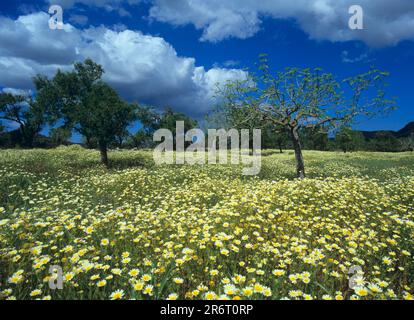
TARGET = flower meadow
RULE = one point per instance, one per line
(140, 231)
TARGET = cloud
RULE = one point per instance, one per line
(108, 5)
(228, 63)
(15, 91)
(386, 22)
(363, 57)
(141, 67)
(148, 69)
(93, 3)
(78, 19)
(123, 13)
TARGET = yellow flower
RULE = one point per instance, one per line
(172, 296)
(146, 278)
(229, 289)
(214, 272)
(178, 280)
(134, 273)
(387, 261)
(408, 296)
(278, 272)
(139, 285)
(248, 291)
(339, 297)
(361, 291)
(117, 295)
(224, 252)
(267, 292)
(95, 277)
(101, 283)
(210, 295)
(89, 230)
(116, 271)
(195, 293)
(68, 276)
(258, 288)
(374, 288)
(35, 293)
(148, 290)
(295, 293)
(15, 279)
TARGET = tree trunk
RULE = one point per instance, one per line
(89, 142)
(300, 165)
(280, 146)
(120, 142)
(27, 136)
(104, 154)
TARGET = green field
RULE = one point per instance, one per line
(140, 231)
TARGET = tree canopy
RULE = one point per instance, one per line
(86, 104)
(26, 113)
(304, 98)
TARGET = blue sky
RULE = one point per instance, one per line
(164, 54)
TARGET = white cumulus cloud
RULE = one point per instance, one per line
(386, 22)
(141, 67)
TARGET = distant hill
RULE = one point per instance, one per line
(404, 132)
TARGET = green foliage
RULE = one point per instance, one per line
(385, 142)
(407, 143)
(87, 104)
(24, 111)
(152, 121)
(299, 99)
(139, 140)
(60, 136)
(274, 138)
(314, 138)
(296, 98)
(169, 118)
(349, 140)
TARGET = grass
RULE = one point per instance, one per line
(140, 231)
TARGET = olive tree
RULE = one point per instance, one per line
(87, 104)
